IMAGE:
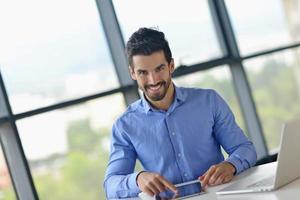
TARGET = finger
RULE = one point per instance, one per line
(175, 196)
(159, 185)
(153, 188)
(219, 171)
(169, 185)
(202, 176)
(208, 175)
(148, 191)
(220, 179)
(227, 178)
(202, 189)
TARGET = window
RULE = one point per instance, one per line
(187, 25)
(275, 83)
(68, 149)
(55, 51)
(261, 25)
(52, 51)
(6, 188)
(218, 79)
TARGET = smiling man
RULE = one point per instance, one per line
(176, 133)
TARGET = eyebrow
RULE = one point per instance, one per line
(141, 70)
(159, 66)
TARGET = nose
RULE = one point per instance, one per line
(153, 78)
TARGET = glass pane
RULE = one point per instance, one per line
(261, 25)
(275, 83)
(68, 149)
(219, 79)
(6, 188)
(52, 51)
(187, 25)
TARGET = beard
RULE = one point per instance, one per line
(164, 86)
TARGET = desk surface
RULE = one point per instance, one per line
(290, 191)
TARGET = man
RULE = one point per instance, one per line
(176, 133)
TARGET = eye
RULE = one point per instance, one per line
(140, 72)
(160, 68)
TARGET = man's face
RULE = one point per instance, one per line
(153, 74)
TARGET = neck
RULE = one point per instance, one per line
(166, 102)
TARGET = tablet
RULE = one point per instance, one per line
(185, 190)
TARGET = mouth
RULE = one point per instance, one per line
(154, 88)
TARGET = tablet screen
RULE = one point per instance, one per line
(183, 192)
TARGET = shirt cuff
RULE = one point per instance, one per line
(132, 189)
(132, 182)
(236, 163)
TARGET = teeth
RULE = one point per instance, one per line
(155, 87)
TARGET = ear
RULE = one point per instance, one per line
(172, 66)
(132, 73)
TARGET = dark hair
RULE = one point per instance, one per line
(146, 41)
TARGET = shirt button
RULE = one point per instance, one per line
(179, 155)
(173, 133)
(185, 174)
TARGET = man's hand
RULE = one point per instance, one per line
(153, 183)
(218, 174)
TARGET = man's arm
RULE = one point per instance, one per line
(242, 154)
(120, 181)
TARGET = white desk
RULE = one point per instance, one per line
(290, 191)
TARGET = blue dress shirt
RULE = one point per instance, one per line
(180, 143)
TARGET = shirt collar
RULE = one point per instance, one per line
(179, 98)
(145, 104)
